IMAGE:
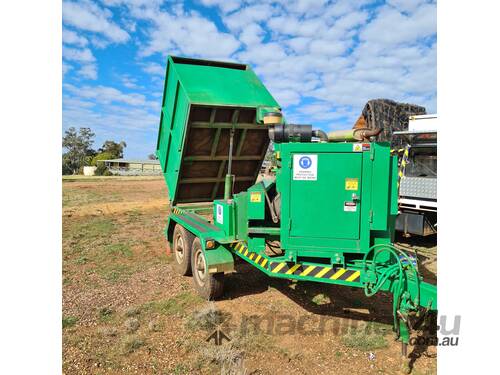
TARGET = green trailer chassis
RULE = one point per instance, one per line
(412, 297)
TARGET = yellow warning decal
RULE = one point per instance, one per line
(297, 270)
(351, 184)
(241, 248)
(255, 197)
(357, 147)
(318, 272)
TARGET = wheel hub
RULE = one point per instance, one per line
(179, 249)
(201, 269)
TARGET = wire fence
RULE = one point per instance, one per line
(135, 172)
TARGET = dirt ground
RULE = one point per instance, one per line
(126, 311)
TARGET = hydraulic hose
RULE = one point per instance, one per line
(390, 272)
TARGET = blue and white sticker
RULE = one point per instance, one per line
(305, 167)
(220, 214)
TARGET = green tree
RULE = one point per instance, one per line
(113, 148)
(79, 149)
(101, 156)
(102, 170)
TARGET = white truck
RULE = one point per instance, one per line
(418, 184)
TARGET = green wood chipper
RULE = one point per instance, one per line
(326, 216)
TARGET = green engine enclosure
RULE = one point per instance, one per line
(342, 201)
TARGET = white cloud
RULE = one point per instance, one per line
(264, 52)
(323, 55)
(295, 27)
(286, 97)
(72, 102)
(255, 13)
(66, 68)
(80, 55)
(99, 43)
(154, 68)
(307, 8)
(391, 27)
(225, 5)
(88, 71)
(350, 20)
(299, 45)
(71, 37)
(252, 34)
(324, 111)
(189, 34)
(342, 7)
(112, 119)
(86, 15)
(107, 95)
(328, 48)
(129, 82)
(135, 3)
(406, 5)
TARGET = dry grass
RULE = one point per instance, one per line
(177, 305)
(126, 311)
(367, 337)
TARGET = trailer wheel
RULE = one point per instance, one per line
(182, 242)
(208, 285)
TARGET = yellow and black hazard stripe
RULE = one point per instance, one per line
(399, 150)
(404, 162)
(317, 272)
(296, 269)
(176, 211)
(243, 251)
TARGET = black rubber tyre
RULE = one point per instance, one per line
(209, 286)
(182, 243)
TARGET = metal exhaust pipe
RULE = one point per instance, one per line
(352, 134)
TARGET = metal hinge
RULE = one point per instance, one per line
(290, 224)
(370, 216)
(372, 153)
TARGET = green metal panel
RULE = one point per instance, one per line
(202, 101)
(256, 202)
(219, 259)
(224, 216)
(381, 186)
(325, 207)
(221, 84)
(241, 209)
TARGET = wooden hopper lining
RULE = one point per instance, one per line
(206, 148)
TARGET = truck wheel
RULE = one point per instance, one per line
(182, 242)
(208, 285)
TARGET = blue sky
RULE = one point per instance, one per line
(321, 60)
